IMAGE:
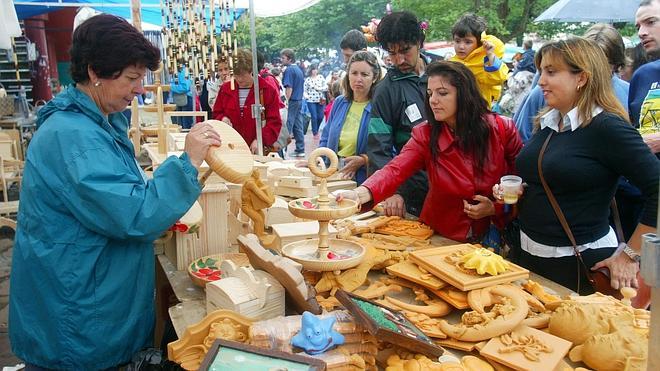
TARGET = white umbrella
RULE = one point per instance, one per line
(270, 8)
(610, 11)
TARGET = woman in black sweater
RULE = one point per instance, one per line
(592, 144)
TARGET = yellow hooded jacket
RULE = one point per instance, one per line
(489, 79)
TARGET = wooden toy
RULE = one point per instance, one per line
(410, 228)
(295, 182)
(284, 270)
(278, 213)
(387, 325)
(230, 355)
(410, 271)
(233, 159)
(207, 269)
(527, 349)
(296, 192)
(445, 263)
(188, 247)
(252, 293)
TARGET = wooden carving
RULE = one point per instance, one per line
(255, 197)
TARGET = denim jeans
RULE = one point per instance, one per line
(185, 121)
(294, 123)
(316, 110)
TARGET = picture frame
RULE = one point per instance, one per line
(232, 355)
(388, 325)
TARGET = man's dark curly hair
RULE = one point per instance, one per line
(399, 27)
(108, 44)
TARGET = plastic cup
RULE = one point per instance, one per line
(510, 187)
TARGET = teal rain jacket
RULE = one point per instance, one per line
(82, 279)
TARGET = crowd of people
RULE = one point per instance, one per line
(421, 138)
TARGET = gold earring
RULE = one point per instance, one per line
(578, 88)
(97, 84)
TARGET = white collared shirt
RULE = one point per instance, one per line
(551, 120)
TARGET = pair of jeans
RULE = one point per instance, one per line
(316, 111)
(294, 123)
(185, 121)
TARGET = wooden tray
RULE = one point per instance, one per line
(408, 270)
(516, 359)
(233, 159)
(433, 260)
(210, 266)
(388, 325)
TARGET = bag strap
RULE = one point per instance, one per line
(617, 221)
(560, 215)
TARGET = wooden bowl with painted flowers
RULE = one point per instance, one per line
(207, 268)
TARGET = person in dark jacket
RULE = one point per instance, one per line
(526, 63)
(82, 278)
(398, 106)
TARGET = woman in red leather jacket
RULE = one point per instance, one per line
(464, 148)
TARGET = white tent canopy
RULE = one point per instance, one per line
(271, 8)
(9, 26)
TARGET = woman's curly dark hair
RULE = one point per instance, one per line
(399, 27)
(471, 127)
(108, 44)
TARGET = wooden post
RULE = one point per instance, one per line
(136, 16)
(135, 126)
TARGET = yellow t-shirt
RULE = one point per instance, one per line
(349, 132)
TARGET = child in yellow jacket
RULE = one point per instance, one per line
(482, 54)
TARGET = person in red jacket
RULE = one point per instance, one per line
(464, 148)
(234, 106)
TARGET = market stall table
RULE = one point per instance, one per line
(192, 299)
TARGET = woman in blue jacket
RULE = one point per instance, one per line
(348, 123)
(82, 280)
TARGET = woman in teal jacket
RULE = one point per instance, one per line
(82, 280)
(348, 123)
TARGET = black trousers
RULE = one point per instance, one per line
(564, 270)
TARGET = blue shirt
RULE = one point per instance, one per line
(534, 102)
(646, 79)
(294, 79)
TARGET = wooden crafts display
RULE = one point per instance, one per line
(232, 160)
(324, 254)
(207, 269)
(229, 355)
(435, 260)
(302, 297)
(527, 349)
(187, 239)
(252, 293)
(388, 325)
(255, 197)
(409, 228)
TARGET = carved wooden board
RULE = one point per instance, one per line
(453, 296)
(547, 361)
(233, 160)
(411, 272)
(433, 260)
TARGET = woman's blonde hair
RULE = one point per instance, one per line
(584, 56)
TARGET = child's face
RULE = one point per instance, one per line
(463, 46)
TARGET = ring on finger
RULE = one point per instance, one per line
(206, 134)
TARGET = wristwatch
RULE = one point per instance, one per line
(632, 254)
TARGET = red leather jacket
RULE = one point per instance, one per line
(452, 179)
(226, 105)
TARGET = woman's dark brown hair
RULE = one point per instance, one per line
(471, 126)
(108, 44)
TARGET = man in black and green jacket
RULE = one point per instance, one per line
(398, 105)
